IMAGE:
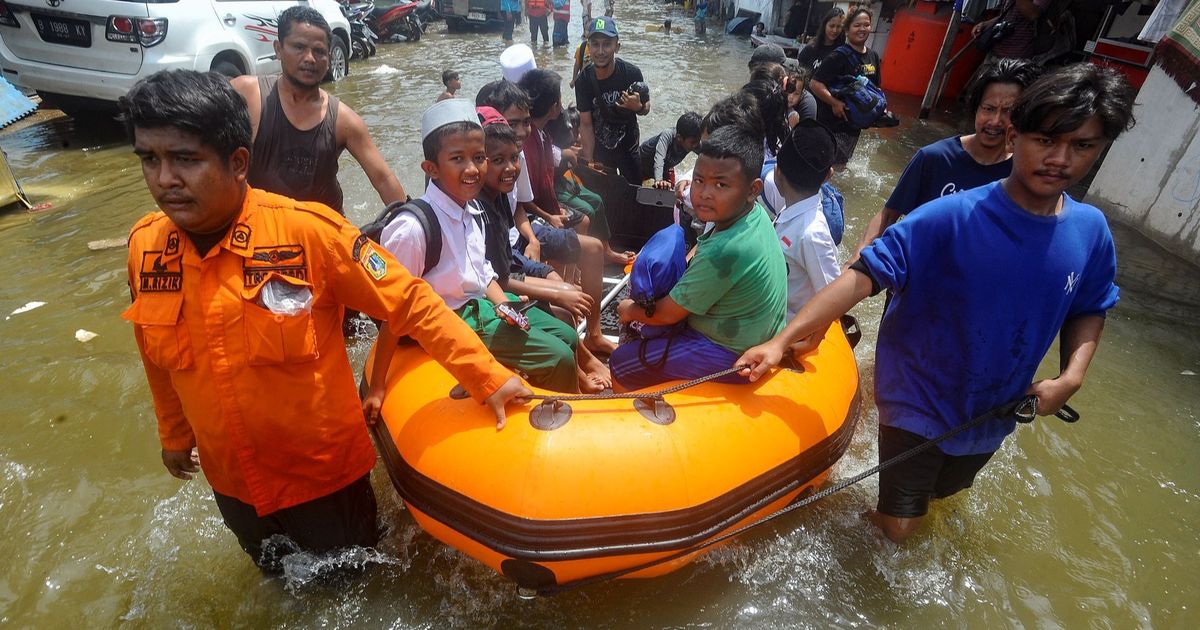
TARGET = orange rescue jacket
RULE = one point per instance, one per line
(271, 400)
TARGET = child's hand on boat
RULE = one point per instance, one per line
(513, 390)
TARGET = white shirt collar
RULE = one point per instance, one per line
(446, 205)
(799, 209)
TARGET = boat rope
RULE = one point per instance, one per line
(635, 395)
(1025, 410)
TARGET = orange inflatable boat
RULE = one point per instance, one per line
(606, 487)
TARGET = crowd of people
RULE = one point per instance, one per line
(240, 283)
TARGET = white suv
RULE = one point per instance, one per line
(79, 54)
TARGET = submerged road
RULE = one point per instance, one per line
(1082, 525)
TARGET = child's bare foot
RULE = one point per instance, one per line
(595, 369)
(618, 258)
(599, 344)
(590, 383)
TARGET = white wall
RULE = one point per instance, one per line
(1150, 179)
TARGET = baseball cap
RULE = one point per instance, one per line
(445, 112)
(768, 53)
(604, 26)
(489, 116)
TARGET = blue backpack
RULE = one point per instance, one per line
(657, 269)
(865, 102)
(832, 206)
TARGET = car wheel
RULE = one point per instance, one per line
(339, 64)
(227, 68)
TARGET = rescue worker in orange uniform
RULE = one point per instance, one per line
(238, 297)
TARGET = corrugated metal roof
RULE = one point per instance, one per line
(13, 104)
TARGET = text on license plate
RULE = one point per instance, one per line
(476, 16)
(57, 30)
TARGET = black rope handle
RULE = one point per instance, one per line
(636, 395)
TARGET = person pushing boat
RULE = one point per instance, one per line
(238, 296)
(983, 282)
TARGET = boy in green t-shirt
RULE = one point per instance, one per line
(734, 292)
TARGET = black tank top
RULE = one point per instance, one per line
(299, 164)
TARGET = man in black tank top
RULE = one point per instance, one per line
(300, 130)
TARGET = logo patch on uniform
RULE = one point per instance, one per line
(241, 236)
(375, 264)
(356, 248)
(172, 244)
(285, 260)
(156, 276)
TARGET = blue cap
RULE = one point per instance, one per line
(603, 26)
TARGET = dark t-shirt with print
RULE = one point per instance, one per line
(836, 70)
(615, 127)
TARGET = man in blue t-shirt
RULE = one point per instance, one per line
(960, 163)
(983, 281)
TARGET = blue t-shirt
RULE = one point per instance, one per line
(940, 169)
(981, 289)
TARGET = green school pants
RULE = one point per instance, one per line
(573, 195)
(546, 352)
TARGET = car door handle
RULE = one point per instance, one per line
(229, 19)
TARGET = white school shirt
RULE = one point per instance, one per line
(808, 249)
(522, 192)
(463, 272)
(771, 197)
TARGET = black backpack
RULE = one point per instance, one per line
(423, 212)
(425, 216)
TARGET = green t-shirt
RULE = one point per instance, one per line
(735, 288)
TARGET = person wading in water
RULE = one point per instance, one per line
(299, 129)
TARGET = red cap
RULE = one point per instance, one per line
(489, 116)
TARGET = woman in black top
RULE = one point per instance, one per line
(836, 70)
(831, 36)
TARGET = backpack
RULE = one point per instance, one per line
(423, 212)
(832, 206)
(656, 270)
(865, 102)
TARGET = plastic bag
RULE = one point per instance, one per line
(283, 298)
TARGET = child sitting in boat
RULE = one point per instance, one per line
(734, 291)
(504, 164)
(572, 194)
(804, 163)
(456, 163)
(663, 151)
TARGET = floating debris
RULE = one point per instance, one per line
(29, 306)
(1188, 373)
(384, 69)
(107, 243)
(85, 336)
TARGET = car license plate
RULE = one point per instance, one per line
(57, 30)
(475, 16)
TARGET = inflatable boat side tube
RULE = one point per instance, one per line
(576, 539)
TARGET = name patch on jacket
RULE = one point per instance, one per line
(157, 276)
(285, 260)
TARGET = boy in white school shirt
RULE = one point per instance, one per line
(455, 161)
(805, 161)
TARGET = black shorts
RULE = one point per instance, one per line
(905, 488)
(345, 518)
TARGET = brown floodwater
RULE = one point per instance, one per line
(1087, 525)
